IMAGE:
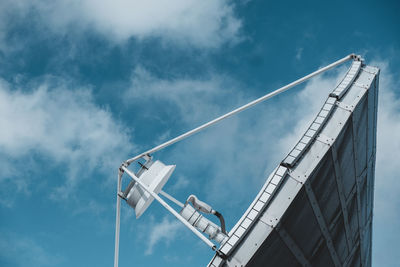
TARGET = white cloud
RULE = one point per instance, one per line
(307, 103)
(23, 251)
(206, 23)
(234, 154)
(299, 53)
(64, 128)
(196, 99)
(182, 182)
(92, 207)
(165, 231)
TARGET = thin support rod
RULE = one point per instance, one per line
(117, 221)
(177, 202)
(248, 105)
(170, 209)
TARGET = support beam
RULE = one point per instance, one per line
(368, 255)
(357, 172)
(170, 209)
(177, 202)
(371, 154)
(349, 258)
(322, 224)
(293, 247)
(342, 197)
(240, 109)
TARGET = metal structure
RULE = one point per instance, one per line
(315, 209)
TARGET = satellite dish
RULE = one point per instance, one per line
(147, 183)
(154, 175)
(302, 215)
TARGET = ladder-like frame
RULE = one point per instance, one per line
(124, 166)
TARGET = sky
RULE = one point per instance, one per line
(85, 85)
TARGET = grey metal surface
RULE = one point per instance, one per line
(315, 209)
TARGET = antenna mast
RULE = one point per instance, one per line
(153, 175)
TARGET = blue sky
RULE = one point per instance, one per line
(85, 85)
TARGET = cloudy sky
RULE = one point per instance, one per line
(87, 84)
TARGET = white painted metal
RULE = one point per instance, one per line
(202, 224)
(312, 133)
(347, 81)
(261, 222)
(199, 205)
(256, 217)
(233, 112)
(169, 208)
(117, 221)
(177, 202)
(251, 218)
(154, 177)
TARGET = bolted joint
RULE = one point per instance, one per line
(123, 164)
(121, 195)
(221, 254)
(357, 57)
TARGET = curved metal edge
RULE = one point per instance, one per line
(311, 134)
(268, 190)
(323, 116)
(257, 207)
(348, 79)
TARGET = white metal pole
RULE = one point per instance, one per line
(177, 202)
(117, 220)
(248, 105)
(170, 209)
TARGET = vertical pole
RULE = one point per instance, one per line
(117, 220)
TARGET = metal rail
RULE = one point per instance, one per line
(124, 165)
(168, 207)
(248, 105)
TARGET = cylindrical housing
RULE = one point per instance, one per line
(203, 224)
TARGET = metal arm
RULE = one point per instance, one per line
(221, 221)
(147, 157)
(204, 207)
(248, 105)
(165, 205)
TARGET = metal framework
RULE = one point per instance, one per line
(294, 248)
(277, 181)
(322, 224)
(320, 214)
(342, 196)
